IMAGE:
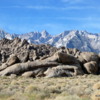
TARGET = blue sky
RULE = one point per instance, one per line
(55, 16)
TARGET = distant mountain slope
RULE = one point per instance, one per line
(82, 40)
(4, 34)
(77, 39)
(36, 37)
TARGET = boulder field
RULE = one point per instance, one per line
(20, 58)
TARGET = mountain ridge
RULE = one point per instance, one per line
(82, 40)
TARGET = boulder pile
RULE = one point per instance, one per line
(20, 58)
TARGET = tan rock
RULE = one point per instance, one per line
(89, 56)
(28, 74)
(66, 58)
(63, 70)
(3, 66)
(12, 60)
(22, 67)
(96, 95)
(91, 67)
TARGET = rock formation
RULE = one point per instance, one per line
(18, 57)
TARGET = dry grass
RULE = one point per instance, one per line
(66, 88)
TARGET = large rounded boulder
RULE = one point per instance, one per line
(28, 74)
(12, 60)
(91, 67)
(66, 58)
(89, 56)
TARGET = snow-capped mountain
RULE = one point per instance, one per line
(4, 34)
(36, 37)
(81, 40)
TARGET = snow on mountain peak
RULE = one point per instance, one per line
(44, 33)
(81, 40)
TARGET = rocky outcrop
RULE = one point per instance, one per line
(22, 67)
(64, 70)
(89, 56)
(91, 67)
(20, 58)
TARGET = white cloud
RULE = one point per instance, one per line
(53, 8)
(87, 19)
(78, 8)
(60, 8)
(31, 7)
(76, 18)
(93, 25)
(40, 7)
(72, 1)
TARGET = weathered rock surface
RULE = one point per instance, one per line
(22, 67)
(20, 58)
(89, 56)
(64, 70)
(28, 74)
(12, 60)
(91, 67)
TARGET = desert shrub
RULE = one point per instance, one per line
(69, 97)
(96, 86)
